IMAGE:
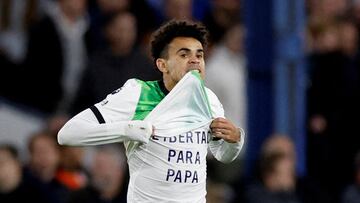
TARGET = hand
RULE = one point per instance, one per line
(225, 129)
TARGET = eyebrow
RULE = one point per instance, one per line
(188, 50)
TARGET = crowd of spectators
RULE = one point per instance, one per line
(333, 92)
(58, 57)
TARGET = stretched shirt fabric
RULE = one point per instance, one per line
(169, 166)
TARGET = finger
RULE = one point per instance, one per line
(220, 120)
(226, 137)
(221, 125)
(221, 131)
(231, 138)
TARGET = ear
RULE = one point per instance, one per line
(161, 65)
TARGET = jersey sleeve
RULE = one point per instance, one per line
(223, 151)
(108, 121)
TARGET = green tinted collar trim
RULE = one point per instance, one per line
(150, 96)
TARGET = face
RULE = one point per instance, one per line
(10, 172)
(72, 157)
(122, 32)
(44, 156)
(106, 171)
(183, 55)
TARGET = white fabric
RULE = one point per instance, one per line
(170, 166)
(185, 108)
(79, 133)
(84, 129)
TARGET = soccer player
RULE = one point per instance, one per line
(166, 126)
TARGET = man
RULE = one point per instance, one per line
(15, 186)
(42, 166)
(165, 125)
(108, 174)
(121, 60)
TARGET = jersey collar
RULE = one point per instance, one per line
(162, 87)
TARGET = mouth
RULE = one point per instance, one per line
(194, 68)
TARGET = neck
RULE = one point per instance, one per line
(169, 83)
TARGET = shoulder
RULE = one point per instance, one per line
(129, 91)
(215, 104)
(132, 89)
(121, 103)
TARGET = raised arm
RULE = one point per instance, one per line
(84, 129)
(108, 121)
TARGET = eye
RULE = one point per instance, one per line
(200, 56)
(183, 55)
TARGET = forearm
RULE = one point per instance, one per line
(84, 130)
(227, 152)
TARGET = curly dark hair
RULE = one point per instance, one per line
(175, 28)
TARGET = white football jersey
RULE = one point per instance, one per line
(169, 166)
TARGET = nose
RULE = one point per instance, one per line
(194, 60)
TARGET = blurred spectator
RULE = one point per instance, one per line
(101, 10)
(349, 36)
(333, 98)
(44, 156)
(55, 123)
(108, 178)
(325, 11)
(72, 172)
(14, 186)
(198, 8)
(277, 176)
(226, 75)
(277, 173)
(56, 56)
(278, 184)
(219, 192)
(222, 15)
(178, 9)
(122, 60)
(351, 193)
(146, 20)
(16, 16)
(323, 37)
(43, 165)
